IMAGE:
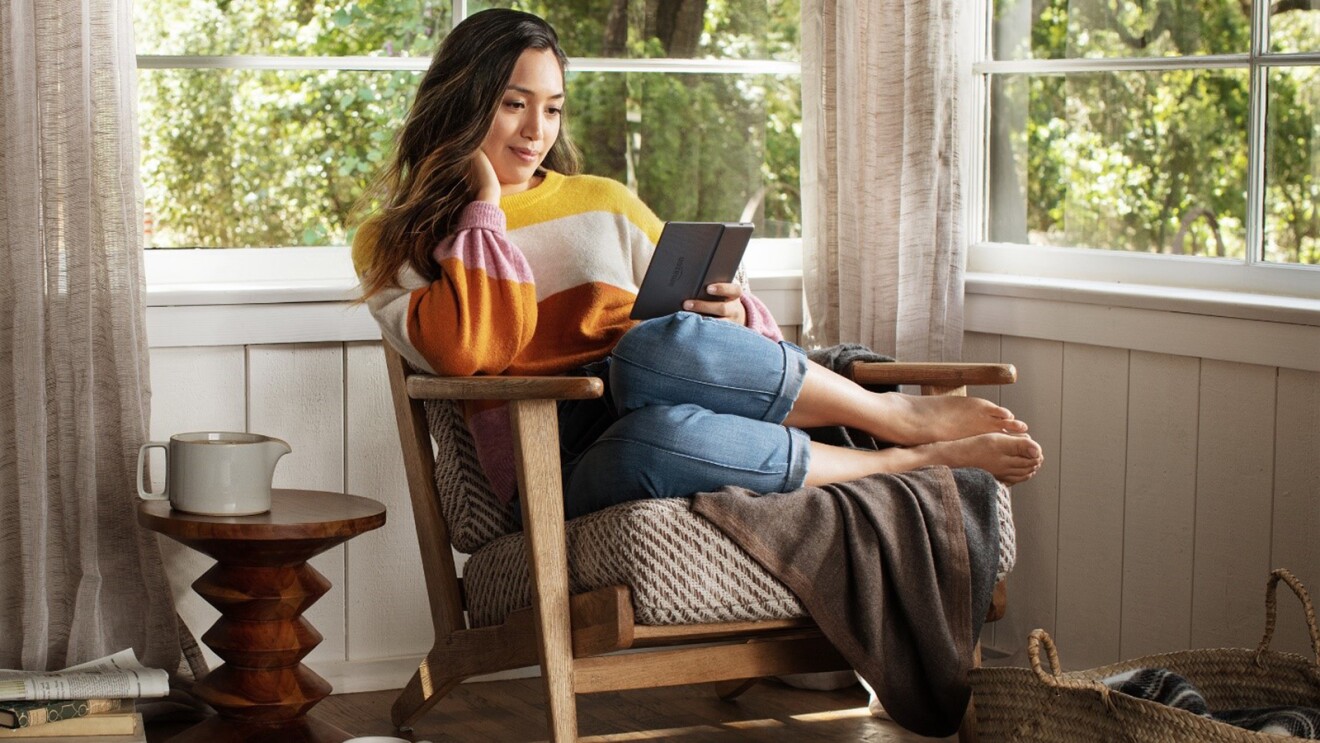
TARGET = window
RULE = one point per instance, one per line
(263, 120)
(1168, 141)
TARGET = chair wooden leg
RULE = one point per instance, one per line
(731, 690)
(967, 730)
(562, 706)
(540, 493)
(421, 694)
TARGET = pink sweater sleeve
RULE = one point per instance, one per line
(759, 317)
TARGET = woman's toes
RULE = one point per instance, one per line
(1014, 426)
(1026, 447)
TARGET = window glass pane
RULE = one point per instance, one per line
(1137, 161)
(1292, 170)
(1057, 29)
(237, 158)
(246, 158)
(695, 147)
(1294, 27)
(278, 27)
(687, 29)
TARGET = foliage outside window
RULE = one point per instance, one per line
(263, 120)
(1182, 127)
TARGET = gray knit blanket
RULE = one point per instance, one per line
(1166, 687)
(897, 570)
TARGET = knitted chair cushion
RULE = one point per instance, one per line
(681, 569)
(474, 514)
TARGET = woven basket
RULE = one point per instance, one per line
(1049, 706)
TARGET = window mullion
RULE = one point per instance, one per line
(978, 27)
(420, 64)
(1256, 124)
(1112, 64)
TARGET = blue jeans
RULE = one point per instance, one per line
(692, 404)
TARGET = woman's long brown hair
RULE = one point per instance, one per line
(425, 184)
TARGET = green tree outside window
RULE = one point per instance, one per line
(274, 157)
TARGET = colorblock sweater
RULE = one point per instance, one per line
(539, 285)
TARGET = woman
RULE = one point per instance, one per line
(489, 254)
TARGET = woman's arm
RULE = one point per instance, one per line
(480, 313)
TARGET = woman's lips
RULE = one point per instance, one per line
(525, 155)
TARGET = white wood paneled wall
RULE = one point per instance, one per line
(1172, 485)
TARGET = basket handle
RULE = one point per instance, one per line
(1054, 677)
(1271, 611)
(1039, 639)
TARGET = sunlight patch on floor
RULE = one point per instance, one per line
(730, 727)
(651, 734)
(752, 724)
(837, 714)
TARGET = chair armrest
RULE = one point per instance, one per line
(932, 374)
(431, 387)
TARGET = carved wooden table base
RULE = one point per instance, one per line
(262, 584)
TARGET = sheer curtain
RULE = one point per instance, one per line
(79, 578)
(882, 223)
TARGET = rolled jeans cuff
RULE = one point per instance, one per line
(799, 459)
(790, 383)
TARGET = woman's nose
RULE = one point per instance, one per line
(532, 124)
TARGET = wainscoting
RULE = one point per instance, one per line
(1173, 484)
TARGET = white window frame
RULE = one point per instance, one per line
(1222, 282)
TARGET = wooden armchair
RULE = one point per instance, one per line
(573, 637)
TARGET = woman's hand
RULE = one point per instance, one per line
(483, 180)
(730, 308)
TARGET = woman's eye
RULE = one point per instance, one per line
(514, 104)
(554, 111)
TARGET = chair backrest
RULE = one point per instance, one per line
(442, 586)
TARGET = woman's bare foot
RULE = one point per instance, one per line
(1011, 458)
(911, 420)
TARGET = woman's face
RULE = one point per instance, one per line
(527, 122)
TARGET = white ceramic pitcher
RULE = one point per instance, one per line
(216, 473)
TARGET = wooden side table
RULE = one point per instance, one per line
(261, 584)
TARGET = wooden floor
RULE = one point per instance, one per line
(512, 712)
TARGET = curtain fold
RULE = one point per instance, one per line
(883, 249)
(80, 579)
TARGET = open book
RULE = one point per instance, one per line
(114, 676)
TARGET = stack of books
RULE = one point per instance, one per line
(61, 720)
(89, 703)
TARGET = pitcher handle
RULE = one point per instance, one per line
(142, 459)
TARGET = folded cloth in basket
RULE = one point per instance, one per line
(1166, 687)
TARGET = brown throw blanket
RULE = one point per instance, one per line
(897, 570)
